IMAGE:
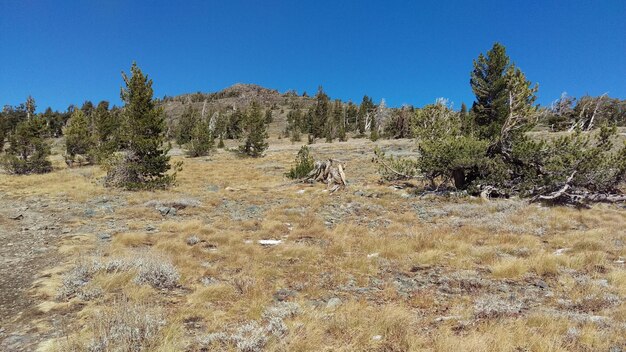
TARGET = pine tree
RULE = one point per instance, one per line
(268, 116)
(28, 150)
(147, 162)
(201, 141)
(365, 110)
(339, 120)
(106, 131)
(87, 108)
(489, 84)
(256, 132)
(304, 163)
(186, 124)
(332, 123)
(78, 139)
(294, 124)
(351, 117)
(467, 123)
(3, 129)
(234, 127)
(321, 113)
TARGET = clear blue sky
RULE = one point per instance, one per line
(64, 52)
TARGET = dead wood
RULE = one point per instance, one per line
(331, 172)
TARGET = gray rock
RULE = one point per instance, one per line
(89, 213)
(333, 302)
(284, 294)
(166, 211)
(541, 284)
(104, 236)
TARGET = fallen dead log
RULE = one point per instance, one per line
(331, 172)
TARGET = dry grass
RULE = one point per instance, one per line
(411, 274)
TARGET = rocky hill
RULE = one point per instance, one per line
(238, 96)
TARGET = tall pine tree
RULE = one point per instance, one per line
(77, 136)
(256, 132)
(489, 84)
(321, 113)
(147, 162)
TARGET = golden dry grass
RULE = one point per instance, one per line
(408, 271)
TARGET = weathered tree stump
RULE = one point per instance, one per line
(330, 172)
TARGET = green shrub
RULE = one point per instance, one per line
(304, 164)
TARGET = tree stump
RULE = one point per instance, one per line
(330, 172)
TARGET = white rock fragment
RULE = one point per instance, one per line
(372, 255)
(270, 242)
(560, 251)
(301, 191)
(377, 337)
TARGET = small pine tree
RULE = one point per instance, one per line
(186, 123)
(295, 136)
(78, 140)
(146, 162)
(303, 165)
(201, 141)
(256, 129)
(268, 116)
(28, 150)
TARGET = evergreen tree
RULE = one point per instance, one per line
(55, 122)
(304, 164)
(365, 111)
(88, 109)
(294, 124)
(339, 120)
(106, 131)
(3, 130)
(268, 116)
(186, 123)
(489, 84)
(466, 120)
(321, 113)
(28, 150)
(146, 163)
(352, 113)
(234, 127)
(201, 141)
(256, 132)
(77, 137)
